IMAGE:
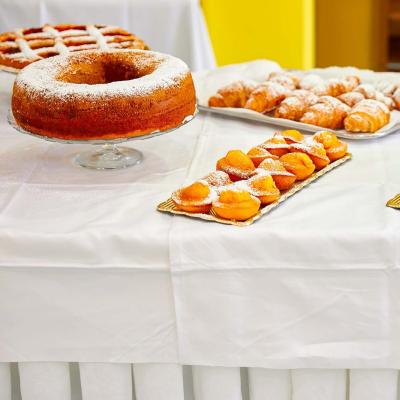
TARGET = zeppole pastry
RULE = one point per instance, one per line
(291, 136)
(367, 116)
(334, 147)
(329, 112)
(276, 145)
(283, 179)
(258, 154)
(314, 150)
(396, 98)
(236, 204)
(299, 164)
(266, 96)
(233, 95)
(196, 198)
(217, 178)
(237, 165)
(263, 187)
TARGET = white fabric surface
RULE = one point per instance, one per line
(86, 262)
(175, 27)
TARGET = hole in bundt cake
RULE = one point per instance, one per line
(104, 71)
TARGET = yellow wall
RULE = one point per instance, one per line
(348, 32)
(282, 30)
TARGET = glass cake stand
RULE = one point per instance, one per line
(109, 155)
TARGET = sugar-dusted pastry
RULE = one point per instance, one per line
(315, 84)
(299, 164)
(283, 179)
(258, 154)
(314, 150)
(367, 116)
(295, 104)
(196, 198)
(351, 82)
(217, 178)
(263, 187)
(266, 96)
(285, 78)
(396, 98)
(334, 147)
(276, 145)
(329, 112)
(233, 95)
(237, 165)
(236, 204)
(351, 98)
(291, 136)
(385, 87)
(369, 92)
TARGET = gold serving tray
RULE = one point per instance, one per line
(395, 202)
(169, 206)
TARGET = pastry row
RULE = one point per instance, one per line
(332, 103)
(242, 183)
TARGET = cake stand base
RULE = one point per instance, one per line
(110, 156)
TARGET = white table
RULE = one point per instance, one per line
(175, 27)
(86, 266)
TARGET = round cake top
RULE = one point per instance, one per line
(101, 74)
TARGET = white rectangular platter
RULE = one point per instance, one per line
(208, 82)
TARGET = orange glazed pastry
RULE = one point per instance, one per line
(283, 179)
(258, 154)
(299, 164)
(291, 136)
(217, 178)
(263, 187)
(236, 204)
(95, 95)
(315, 151)
(334, 147)
(237, 165)
(276, 145)
(196, 198)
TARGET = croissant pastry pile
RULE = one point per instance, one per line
(243, 183)
(344, 103)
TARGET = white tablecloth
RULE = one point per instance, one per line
(86, 261)
(175, 27)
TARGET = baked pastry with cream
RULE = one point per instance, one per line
(263, 187)
(299, 164)
(276, 145)
(258, 154)
(237, 165)
(283, 179)
(236, 204)
(334, 147)
(314, 150)
(196, 198)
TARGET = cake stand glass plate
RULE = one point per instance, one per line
(9, 69)
(109, 155)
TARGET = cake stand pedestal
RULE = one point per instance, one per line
(109, 155)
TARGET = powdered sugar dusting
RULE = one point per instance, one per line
(39, 79)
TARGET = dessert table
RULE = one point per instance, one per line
(174, 27)
(302, 305)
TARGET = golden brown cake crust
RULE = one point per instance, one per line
(94, 95)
